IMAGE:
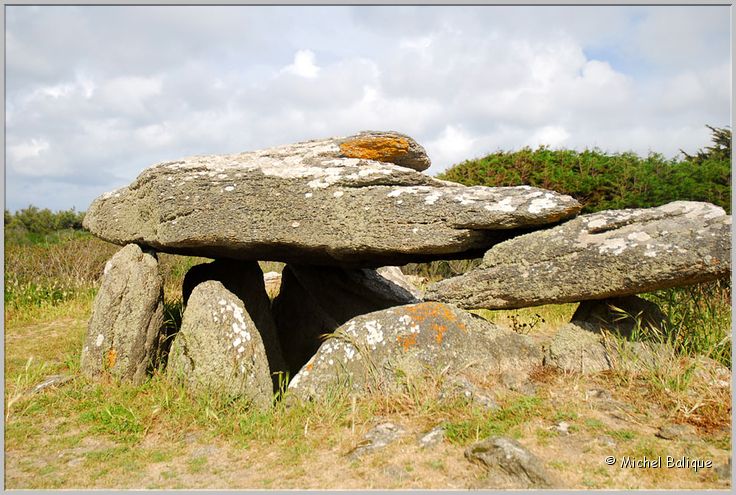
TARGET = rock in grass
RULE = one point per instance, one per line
(378, 437)
(124, 333)
(606, 254)
(577, 349)
(246, 281)
(219, 350)
(314, 300)
(507, 458)
(381, 351)
(356, 201)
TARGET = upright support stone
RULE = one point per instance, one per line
(315, 300)
(245, 280)
(218, 348)
(124, 334)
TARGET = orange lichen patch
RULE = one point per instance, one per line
(309, 366)
(407, 341)
(112, 356)
(379, 148)
(439, 332)
(422, 312)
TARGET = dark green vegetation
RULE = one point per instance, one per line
(33, 225)
(602, 181)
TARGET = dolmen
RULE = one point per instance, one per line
(342, 213)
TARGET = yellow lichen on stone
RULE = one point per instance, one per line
(111, 358)
(378, 148)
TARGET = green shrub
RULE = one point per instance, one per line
(602, 181)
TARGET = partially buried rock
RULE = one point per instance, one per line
(124, 333)
(510, 465)
(315, 300)
(219, 350)
(579, 350)
(356, 201)
(246, 281)
(606, 254)
(378, 437)
(380, 351)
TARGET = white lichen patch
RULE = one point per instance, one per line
(405, 319)
(432, 198)
(338, 194)
(597, 223)
(295, 224)
(540, 204)
(349, 352)
(465, 199)
(229, 188)
(308, 195)
(374, 334)
(503, 206)
(100, 339)
(612, 246)
(639, 237)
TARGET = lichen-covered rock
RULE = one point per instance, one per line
(606, 254)
(218, 348)
(245, 280)
(621, 315)
(124, 333)
(510, 465)
(314, 300)
(380, 350)
(334, 201)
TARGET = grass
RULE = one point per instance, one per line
(105, 434)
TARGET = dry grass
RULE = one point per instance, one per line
(110, 435)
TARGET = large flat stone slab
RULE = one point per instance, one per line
(607, 254)
(330, 201)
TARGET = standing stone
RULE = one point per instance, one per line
(124, 334)
(315, 300)
(358, 201)
(606, 254)
(245, 280)
(219, 349)
(379, 351)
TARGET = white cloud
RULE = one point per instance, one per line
(96, 94)
(303, 65)
(24, 150)
(453, 145)
(551, 135)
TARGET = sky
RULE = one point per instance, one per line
(96, 94)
